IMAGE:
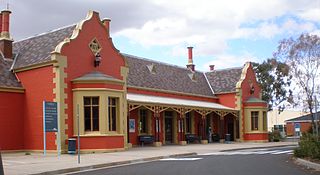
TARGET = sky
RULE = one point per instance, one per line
(224, 33)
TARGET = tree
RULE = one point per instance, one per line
(275, 81)
(302, 54)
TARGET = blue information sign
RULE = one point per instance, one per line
(51, 116)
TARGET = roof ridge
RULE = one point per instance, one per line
(229, 68)
(156, 61)
(45, 33)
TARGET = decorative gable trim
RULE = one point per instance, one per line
(152, 68)
(75, 33)
(243, 74)
(192, 76)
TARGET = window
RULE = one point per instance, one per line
(265, 121)
(143, 123)
(113, 103)
(188, 122)
(91, 113)
(254, 120)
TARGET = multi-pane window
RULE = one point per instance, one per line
(91, 113)
(265, 121)
(112, 106)
(188, 122)
(254, 120)
(143, 124)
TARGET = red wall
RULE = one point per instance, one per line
(256, 137)
(245, 86)
(11, 121)
(228, 99)
(39, 86)
(99, 142)
(80, 61)
(304, 127)
(133, 137)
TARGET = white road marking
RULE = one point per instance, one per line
(282, 152)
(259, 152)
(177, 159)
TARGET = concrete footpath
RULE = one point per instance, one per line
(36, 163)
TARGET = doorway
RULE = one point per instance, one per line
(168, 122)
(231, 129)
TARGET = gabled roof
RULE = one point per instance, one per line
(37, 49)
(224, 80)
(304, 118)
(7, 78)
(166, 77)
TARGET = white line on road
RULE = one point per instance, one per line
(184, 159)
(282, 152)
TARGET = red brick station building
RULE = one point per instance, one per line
(117, 97)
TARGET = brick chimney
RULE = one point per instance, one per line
(5, 38)
(211, 67)
(190, 64)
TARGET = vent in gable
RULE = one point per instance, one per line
(152, 68)
(192, 76)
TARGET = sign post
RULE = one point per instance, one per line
(50, 123)
(78, 134)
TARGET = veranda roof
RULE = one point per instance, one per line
(175, 102)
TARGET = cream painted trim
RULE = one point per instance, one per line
(97, 89)
(12, 89)
(247, 113)
(168, 91)
(230, 92)
(243, 75)
(257, 132)
(98, 81)
(103, 112)
(97, 134)
(58, 69)
(75, 32)
(179, 106)
(34, 66)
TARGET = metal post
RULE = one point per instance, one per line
(78, 133)
(59, 130)
(44, 128)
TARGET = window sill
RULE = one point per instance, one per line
(256, 132)
(99, 135)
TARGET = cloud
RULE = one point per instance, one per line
(207, 25)
(227, 60)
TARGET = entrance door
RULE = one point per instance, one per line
(168, 121)
(231, 130)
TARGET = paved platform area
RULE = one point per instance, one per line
(36, 163)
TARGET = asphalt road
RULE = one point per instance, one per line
(275, 161)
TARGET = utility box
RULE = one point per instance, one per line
(72, 146)
(228, 138)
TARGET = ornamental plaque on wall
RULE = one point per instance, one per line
(94, 46)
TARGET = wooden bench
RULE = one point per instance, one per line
(146, 139)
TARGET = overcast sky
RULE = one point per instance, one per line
(224, 33)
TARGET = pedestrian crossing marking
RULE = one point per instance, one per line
(183, 159)
(283, 152)
(256, 152)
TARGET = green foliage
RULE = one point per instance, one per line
(302, 54)
(275, 80)
(275, 136)
(309, 147)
